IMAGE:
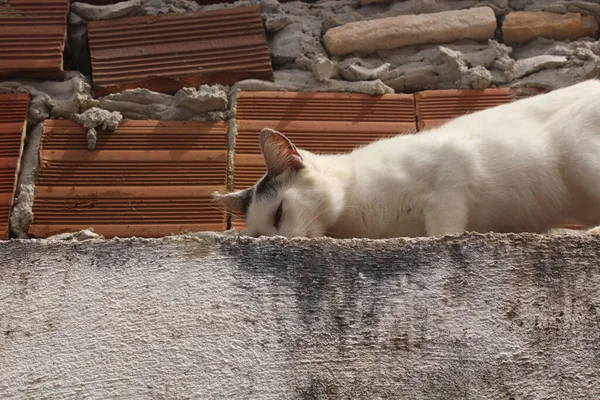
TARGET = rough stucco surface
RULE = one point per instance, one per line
(469, 317)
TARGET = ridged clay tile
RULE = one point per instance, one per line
(435, 107)
(323, 122)
(32, 37)
(147, 178)
(13, 125)
(167, 52)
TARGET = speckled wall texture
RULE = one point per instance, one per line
(462, 317)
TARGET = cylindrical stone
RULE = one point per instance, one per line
(523, 26)
(388, 33)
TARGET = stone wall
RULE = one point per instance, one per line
(407, 45)
(369, 46)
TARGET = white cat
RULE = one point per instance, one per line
(527, 166)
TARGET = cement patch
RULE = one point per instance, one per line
(60, 98)
(299, 80)
(97, 118)
(22, 211)
(94, 13)
(202, 103)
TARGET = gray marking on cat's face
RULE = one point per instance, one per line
(267, 186)
(246, 198)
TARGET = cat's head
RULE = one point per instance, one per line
(294, 198)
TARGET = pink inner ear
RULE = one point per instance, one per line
(280, 154)
(286, 147)
(297, 154)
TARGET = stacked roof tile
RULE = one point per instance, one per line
(435, 107)
(147, 178)
(323, 122)
(167, 52)
(13, 125)
(32, 36)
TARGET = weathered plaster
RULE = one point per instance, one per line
(463, 317)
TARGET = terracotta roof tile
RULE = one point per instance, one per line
(167, 52)
(32, 36)
(321, 121)
(13, 125)
(148, 178)
(324, 122)
(574, 226)
(435, 107)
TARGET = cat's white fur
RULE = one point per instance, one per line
(526, 166)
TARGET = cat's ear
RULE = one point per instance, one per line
(280, 154)
(236, 202)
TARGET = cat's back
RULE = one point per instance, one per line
(528, 116)
(527, 131)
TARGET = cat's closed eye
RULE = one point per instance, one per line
(277, 219)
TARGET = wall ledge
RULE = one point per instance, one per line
(212, 316)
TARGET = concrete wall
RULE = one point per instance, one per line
(463, 317)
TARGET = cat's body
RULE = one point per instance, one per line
(527, 166)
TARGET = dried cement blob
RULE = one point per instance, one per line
(97, 118)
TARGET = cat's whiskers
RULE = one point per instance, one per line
(305, 213)
(307, 224)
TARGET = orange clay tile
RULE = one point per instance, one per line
(147, 178)
(576, 227)
(435, 107)
(323, 122)
(13, 126)
(167, 52)
(32, 36)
